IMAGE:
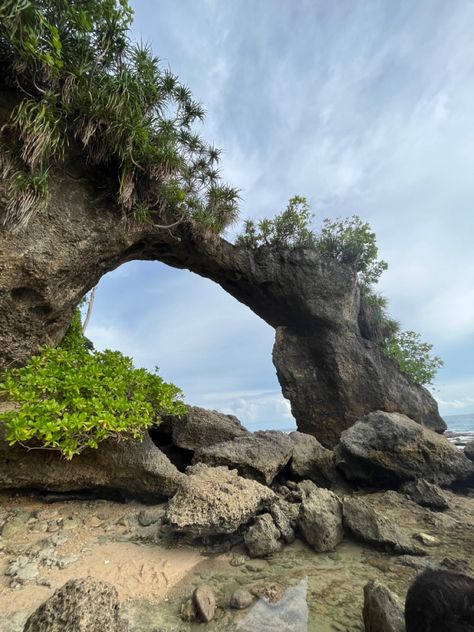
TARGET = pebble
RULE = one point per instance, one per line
(241, 599)
(147, 517)
(14, 527)
(205, 603)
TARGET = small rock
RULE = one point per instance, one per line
(146, 517)
(14, 527)
(205, 603)
(95, 522)
(262, 538)
(70, 523)
(22, 569)
(383, 610)
(427, 540)
(238, 560)
(272, 592)
(256, 566)
(241, 599)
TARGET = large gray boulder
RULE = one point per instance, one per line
(369, 525)
(200, 427)
(386, 449)
(216, 500)
(383, 610)
(311, 460)
(81, 605)
(259, 455)
(128, 467)
(320, 520)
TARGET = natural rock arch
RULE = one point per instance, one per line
(328, 371)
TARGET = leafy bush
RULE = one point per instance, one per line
(413, 356)
(289, 229)
(350, 240)
(69, 400)
(83, 78)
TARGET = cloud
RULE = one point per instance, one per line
(363, 108)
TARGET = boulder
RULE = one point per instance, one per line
(259, 455)
(320, 520)
(425, 494)
(263, 538)
(469, 450)
(386, 449)
(204, 601)
(284, 516)
(199, 428)
(383, 610)
(215, 500)
(371, 526)
(311, 460)
(81, 605)
(128, 467)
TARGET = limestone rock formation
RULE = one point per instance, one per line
(386, 449)
(263, 538)
(215, 500)
(370, 525)
(425, 494)
(81, 605)
(128, 467)
(258, 455)
(199, 428)
(328, 367)
(311, 460)
(383, 610)
(320, 520)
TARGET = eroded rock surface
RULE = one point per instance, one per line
(386, 449)
(81, 605)
(311, 460)
(426, 494)
(129, 467)
(320, 520)
(469, 450)
(263, 537)
(383, 611)
(215, 500)
(258, 455)
(370, 525)
(200, 427)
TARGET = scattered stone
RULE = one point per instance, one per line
(215, 500)
(257, 566)
(14, 527)
(383, 610)
(259, 455)
(95, 522)
(130, 467)
(70, 524)
(262, 538)
(81, 605)
(22, 569)
(320, 520)
(425, 494)
(204, 601)
(238, 560)
(199, 428)
(311, 460)
(369, 525)
(385, 449)
(272, 592)
(427, 540)
(147, 517)
(241, 599)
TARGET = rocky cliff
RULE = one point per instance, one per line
(330, 373)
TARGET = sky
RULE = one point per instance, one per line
(362, 107)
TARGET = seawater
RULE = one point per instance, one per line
(460, 429)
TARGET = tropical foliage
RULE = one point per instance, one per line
(69, 400)
(83, 80)
(413, 356)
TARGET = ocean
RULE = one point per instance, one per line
(460, 428)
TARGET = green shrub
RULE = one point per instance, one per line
(413, 356)
(289, 229)
(69, 400)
